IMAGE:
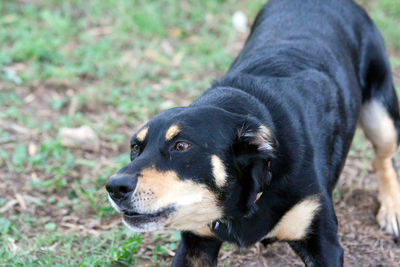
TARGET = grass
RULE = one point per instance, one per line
(110, 65)
(113, 247)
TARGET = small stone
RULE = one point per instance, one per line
(239, 21)
(167, 104)
(32, 149)
(83, 137)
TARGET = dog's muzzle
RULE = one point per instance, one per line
(120, 189)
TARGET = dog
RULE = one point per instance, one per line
(257, 155)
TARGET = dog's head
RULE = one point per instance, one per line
(191, 166)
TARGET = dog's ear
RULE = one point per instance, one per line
(254, 147)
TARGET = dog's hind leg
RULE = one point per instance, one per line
(380, 121)
(380, 129)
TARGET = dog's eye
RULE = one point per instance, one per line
(181, 146)
(136, 148)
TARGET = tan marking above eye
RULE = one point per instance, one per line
(218, 169)
(294, 225)
(141, 135)
(172, 131)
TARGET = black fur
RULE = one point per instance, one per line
(195, 248)
(305, 71)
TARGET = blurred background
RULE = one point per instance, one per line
(77, 78)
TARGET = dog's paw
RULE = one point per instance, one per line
(389, 216)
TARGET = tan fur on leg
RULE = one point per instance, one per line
(379, 128)
(389, 196)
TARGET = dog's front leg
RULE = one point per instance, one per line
(196, 251)
(321, 246)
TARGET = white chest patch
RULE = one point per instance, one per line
(295, 224)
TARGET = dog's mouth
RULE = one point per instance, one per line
(144, 222)
(144, 216)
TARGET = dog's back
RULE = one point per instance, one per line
(322, 60)
(318, 32)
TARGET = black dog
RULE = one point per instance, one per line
(257, 156)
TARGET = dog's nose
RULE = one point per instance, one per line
(120, 186)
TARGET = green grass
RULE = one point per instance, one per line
(52, 248)
(117, 62)
(110, 65)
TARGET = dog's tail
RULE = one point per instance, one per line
(378, 94)
(380, 121)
